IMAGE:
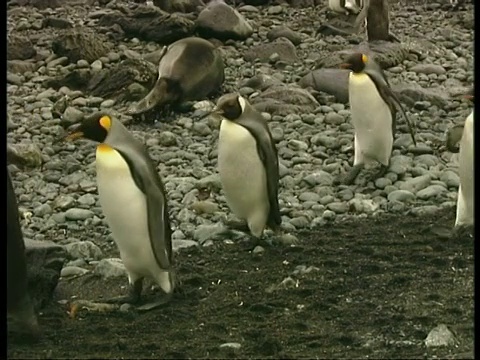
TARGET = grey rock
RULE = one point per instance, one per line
(201, 129)
(309, 196)
(211, 182)
(78, 214)
(288, 239)
(360, 205)
(338, 207)
(258, 250)
(298, 145)
(64, 202)
(286, 32)
(450, 178)
(221, 21)
(319, 178)
(209, 232)
(425, 210)
(110, 268)
(231, 345)
(417, 183)
(86, 200)
(440, 336)
(300, 222)
(183, 244)
(68, 271)
(333, 118)
(14, 79)
(84, 250)
(427, 159)
(282, 47)
(401, 196)
(430, 192)
(42, 210)
(301, 270)
(428, 69)
(72, 115)
(204, 207)
(381, 183)
(45, 261)
(167, 138)
(330, 81)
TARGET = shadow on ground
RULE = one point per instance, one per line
(372, 288)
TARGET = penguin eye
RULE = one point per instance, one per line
(105, 122)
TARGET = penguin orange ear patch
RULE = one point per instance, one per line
(106, 122)
(104, 147)
(364, 58)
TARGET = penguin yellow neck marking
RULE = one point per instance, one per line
(358, 75)
(104, 148)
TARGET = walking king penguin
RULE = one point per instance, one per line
(132, 197)
(373, 110)
(19, 303)
(248, 164)
(464, 134)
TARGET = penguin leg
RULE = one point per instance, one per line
(166, 280)
(464, 210)
(256, 224)
(383, 169)
(358, 164)
(134, 292)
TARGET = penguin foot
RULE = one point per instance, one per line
(155, 304)
(463, 231)
(237, 224)
(383, 169)
(125, 299)
(133, 296)
(350, 177)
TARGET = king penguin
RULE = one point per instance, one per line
(133, 200)
(248, 164)
(464, 135)
(373, 109)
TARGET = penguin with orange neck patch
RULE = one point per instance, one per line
(373, 107)
(133, 199)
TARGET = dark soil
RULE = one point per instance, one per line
(378, 287)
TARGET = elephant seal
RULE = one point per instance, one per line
(189, 69)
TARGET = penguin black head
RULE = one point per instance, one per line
(230, 106)
(355, 62)
(94, 127)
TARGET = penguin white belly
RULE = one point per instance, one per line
(125, 210)
(243, 176)
(465, 200)
(372, 121)
(337, 6)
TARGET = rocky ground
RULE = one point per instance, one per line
(365, 270)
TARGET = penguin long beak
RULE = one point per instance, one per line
(345, 66)
(75, 133)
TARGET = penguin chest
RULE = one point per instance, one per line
(466, 158)
(371, 117)
(125, 209)
(337, 5)
(242, 173)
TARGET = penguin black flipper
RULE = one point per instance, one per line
(267, 152)
(148, 181)
(385, 91)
